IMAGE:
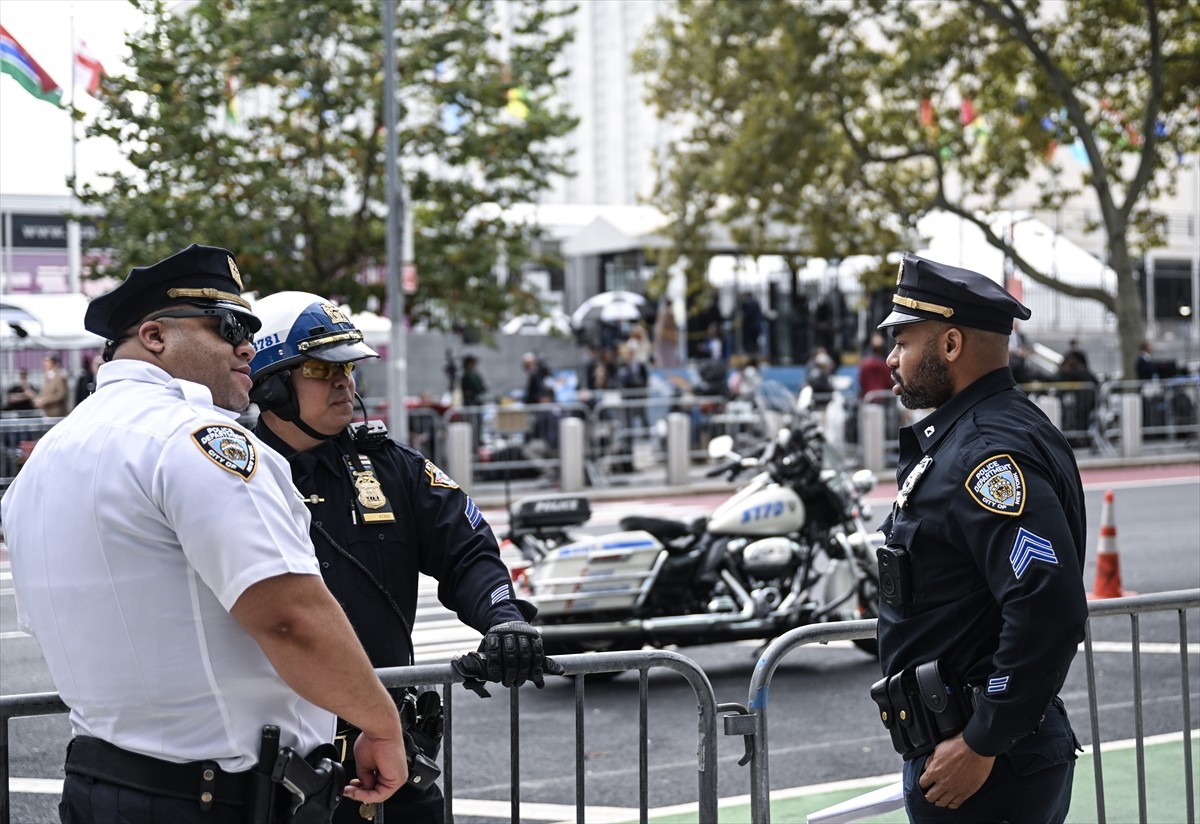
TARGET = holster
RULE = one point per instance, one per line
(421, 717)
(946, 704)
(289, 789)
(920, 707)
(423, 723)
(315, 783)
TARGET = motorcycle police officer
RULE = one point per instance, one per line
(981, 587)
(381, 514)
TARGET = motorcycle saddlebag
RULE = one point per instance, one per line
(611, 573)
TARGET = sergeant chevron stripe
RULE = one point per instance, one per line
(1029, 548)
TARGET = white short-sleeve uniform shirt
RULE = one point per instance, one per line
(132, 530)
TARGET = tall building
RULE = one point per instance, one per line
(618, 133)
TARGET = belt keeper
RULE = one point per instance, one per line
(208, 784)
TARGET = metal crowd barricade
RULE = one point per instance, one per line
(1073, 406)
(752, 722)
(511, 441)
(1170, 409)
(19, 432)
(1135, 606)
(579, 665)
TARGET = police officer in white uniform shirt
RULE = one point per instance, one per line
(160, 555)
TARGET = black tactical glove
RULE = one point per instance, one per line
(513, 654)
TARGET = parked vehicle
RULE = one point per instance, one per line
(789, 548)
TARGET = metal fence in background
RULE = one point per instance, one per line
(626, 434)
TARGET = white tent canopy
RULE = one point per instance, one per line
(36, 321)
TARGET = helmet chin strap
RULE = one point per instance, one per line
(290, 412)
(312, 433)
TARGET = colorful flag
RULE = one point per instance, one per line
(966, 115)
(15, 61)
(926, 115)
(93, 72)
(927, 118)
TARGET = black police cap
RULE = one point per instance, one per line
(202, 275)
(928, 290)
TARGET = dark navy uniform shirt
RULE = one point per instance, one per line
(995, 530)
(438, 530)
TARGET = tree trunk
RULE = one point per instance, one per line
(1131, 322)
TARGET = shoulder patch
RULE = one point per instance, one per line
(437, 477)
(998, 486)
(228, 448)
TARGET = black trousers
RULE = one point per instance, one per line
(90, 801)
(1031, 782)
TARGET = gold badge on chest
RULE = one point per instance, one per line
(370, 503)
(370, 493)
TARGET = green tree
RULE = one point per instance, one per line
(259, 126)
(843, 123)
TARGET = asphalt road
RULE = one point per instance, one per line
(822, 725)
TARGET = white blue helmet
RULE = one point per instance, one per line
(297, 326)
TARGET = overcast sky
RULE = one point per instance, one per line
(35, 137)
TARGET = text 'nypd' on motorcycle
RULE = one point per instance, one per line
(787, 549)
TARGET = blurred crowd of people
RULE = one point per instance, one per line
(55, 397)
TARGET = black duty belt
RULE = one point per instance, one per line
(201, 781)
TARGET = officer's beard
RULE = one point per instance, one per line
(930, 385)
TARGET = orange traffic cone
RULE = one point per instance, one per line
(1108, 562)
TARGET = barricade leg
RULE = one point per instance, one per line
(1131, 425)
(678, 438)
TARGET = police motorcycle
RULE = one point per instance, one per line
(789, 548)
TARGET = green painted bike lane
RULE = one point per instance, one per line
(1165, 791)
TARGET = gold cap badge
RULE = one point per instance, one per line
(237, 276)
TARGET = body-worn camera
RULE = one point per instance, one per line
(895, 581)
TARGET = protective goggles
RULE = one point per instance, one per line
(324, 370)
(232, 328)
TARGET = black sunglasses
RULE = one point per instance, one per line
(232, 329)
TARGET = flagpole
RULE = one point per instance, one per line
(74, 250)
(72, 103)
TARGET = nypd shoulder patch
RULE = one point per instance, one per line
(437, 477)
(228, 448)
(998, 486)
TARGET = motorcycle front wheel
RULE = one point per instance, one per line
(862, 603)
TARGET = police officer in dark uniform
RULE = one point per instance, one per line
(981, 586)
(381, 514)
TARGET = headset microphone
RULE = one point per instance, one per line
(368, 434)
